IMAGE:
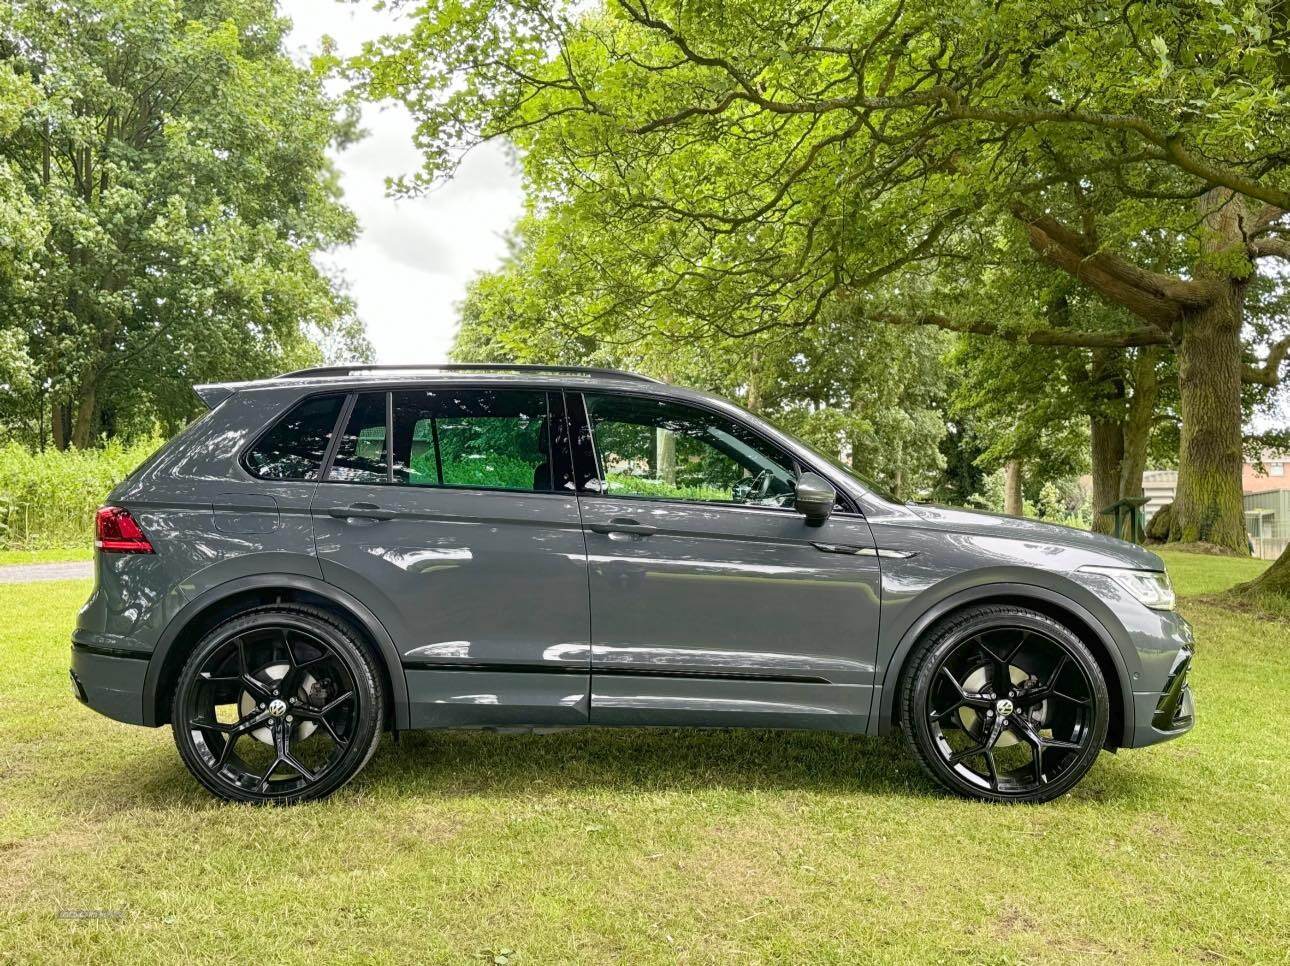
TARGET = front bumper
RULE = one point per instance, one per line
(1165, 714)
(110, 682)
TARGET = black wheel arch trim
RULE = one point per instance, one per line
(361, 615)
(988, 593)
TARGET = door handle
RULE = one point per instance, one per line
(623, 525)
(361, 511)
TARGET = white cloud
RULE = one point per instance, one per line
(414, 257)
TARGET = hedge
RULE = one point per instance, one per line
(48, 499)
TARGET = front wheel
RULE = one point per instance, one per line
(277, 705)
(1005, 704)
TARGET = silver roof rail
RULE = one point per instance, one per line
(319, 371)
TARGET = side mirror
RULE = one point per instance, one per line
(814, 498)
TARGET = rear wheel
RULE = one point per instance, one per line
(280, 704)
(1005, 704)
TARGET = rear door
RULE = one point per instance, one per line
(713, 601)
(464, 538)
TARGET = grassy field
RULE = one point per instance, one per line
(53, 555)
(647, 846)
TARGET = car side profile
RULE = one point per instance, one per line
(339, 552)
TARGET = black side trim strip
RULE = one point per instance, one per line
(507, 668)
(622, 672)
(654, 672)
(110, 651)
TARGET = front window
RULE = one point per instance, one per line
(657, 449)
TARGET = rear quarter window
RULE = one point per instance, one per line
(293, 448)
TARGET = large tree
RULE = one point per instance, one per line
(864, 392)
(167, 163)
(889, 154)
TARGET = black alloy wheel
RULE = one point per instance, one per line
(277, 705)
(1005, 704)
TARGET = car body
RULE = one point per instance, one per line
(623, 585)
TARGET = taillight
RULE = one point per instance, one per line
(116, 532)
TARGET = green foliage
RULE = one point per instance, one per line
(48, 499)
(165, 185)
(859, 389)
(703, 173)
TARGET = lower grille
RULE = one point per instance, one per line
(1175, 708)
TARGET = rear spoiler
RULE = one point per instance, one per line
(213, 393)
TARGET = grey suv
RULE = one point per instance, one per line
(338, 552)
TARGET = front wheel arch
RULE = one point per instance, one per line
(1060, 608)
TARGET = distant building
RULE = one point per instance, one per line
(1267, 520)
(1158, 486)
(1272, 476)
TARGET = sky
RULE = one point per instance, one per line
(413, 257)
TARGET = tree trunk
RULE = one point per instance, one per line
(1107, 444)
(1274, 580)
(1138, 421)
(84, 428)
(665, 449)
(1012, 504)
(1209, 505)
(58, 425)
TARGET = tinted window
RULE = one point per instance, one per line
(654, 448)
(293, 449)
(472, 437)
(361, 455)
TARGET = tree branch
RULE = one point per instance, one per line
(1269, 374)
(1044, 337)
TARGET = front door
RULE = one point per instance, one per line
(464, 538)
(713, 601)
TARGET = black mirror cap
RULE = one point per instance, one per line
(815, 497)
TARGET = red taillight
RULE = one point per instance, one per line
(116, 532)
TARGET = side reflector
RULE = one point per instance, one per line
(115, 531)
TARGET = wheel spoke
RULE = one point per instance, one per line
(1082, 702)
(960, 756)
(939, 715)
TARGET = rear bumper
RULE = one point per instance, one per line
(109, 681)
(1165, 714)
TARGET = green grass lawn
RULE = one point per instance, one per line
(54, 555)
(638, 846)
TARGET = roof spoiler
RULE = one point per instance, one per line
(213, 393)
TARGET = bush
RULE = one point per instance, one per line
(48, 499)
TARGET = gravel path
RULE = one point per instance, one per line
(27, 573)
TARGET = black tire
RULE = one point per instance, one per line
(955, 683)
(291, 677)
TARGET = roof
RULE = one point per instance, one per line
(212, 394)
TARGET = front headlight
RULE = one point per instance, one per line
(1151, 587)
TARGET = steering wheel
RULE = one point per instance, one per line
(758, 488)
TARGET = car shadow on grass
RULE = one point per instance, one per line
(472, 763)
(505, 766)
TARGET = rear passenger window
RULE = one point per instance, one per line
(472, 437)
(293, 449)
(361, 455)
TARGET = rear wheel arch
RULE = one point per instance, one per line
(225, 601)
(1078, 620)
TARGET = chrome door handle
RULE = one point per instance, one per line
(361, 511)
(623, 526)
